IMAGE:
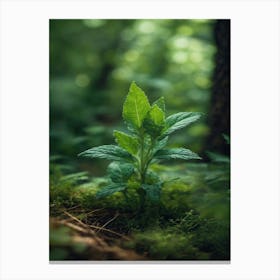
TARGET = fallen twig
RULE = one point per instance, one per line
(107, 223)
(96, 227)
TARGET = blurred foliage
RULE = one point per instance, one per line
(62, 247)
(92, 63)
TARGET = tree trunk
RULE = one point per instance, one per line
(219, 111)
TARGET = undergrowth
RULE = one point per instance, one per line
(187, 225)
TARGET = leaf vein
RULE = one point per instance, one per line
(137, 114)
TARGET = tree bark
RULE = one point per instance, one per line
(219, 111)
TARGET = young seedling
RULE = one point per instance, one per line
(142, 145)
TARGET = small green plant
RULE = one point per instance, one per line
(143, 144)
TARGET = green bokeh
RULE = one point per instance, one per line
(92, 63)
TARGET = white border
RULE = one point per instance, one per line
(255, 138)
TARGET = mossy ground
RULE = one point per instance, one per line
(191, 222)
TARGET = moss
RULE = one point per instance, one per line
(159, 244)
(191, 222)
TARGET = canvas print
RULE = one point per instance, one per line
(139, 140)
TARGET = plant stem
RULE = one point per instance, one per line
(142, 162)
(145, 160)
(142, 171)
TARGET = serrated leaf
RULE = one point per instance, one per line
(180, 120)
(136, 106)
(126, 141)
(176, 153)
(154, 121)
(160, 103)
(110, 189)
(152, 191)
(120, 172)
(110, 152)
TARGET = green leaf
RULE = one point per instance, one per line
(180, 120)
(75, 177)
(152, 178)
(120, 172)
(152, 191)
(110, 152)
(132, 129)
(110, 189)
(160, 103)
(218, 157)
(176, 153)
(136, 106)
(160, 144)
(156, 115)
(126, 141)
(154, 121)
(226, 137)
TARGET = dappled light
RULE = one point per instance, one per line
(120, 90)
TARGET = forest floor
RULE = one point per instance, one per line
(191, 222)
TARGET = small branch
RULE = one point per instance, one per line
(75, 218)
(74, 207)
(111, 231)
(96, 210)
(107, 223)
(95, 227)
